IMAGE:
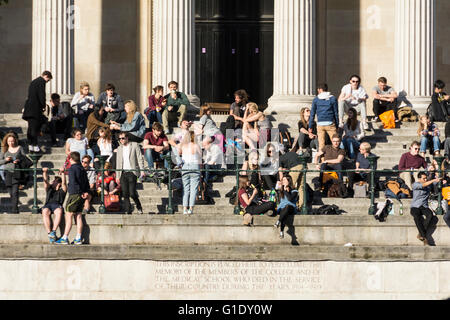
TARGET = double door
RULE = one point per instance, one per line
(234, 49)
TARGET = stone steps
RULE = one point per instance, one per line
(226, 230)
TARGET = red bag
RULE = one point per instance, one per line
(67, 165)
(112, 203)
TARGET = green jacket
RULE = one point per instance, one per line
(182, 99)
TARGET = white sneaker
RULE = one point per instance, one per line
(190, 211)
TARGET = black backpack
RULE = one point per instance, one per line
(437, 112)
(328, 210)
(286, 140)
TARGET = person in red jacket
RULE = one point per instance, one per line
(412, 162)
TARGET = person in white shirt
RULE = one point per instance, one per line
(83, 104)
(353, 95)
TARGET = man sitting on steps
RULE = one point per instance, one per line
(333, 157)
(411, 161)
(176, 106)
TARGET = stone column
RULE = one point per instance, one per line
(144, 31)
(294, 58)
(415, 51)
(53, 44)
(174, 45)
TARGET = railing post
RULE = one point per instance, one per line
(304, 160)
(372, 161)
(102, 160)
(237, 207)
(439, 160)
(35, 158)
(169, 209)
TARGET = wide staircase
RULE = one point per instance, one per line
(216, 224)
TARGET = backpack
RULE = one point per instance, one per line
(337, 190)
(286, 139)
(232, 194)
(437, 113)
(328, 210)
(383, 209)
(398, 188)
(202, 194)
(407, 114)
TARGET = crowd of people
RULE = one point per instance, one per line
(270, 178)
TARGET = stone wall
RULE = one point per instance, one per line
(15, 54)
(137, 279)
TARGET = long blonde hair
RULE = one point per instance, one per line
(252, 107)
(133, 109)
(421, 125)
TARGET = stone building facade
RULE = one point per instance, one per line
(137, 44)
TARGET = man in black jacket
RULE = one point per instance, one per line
(34, 108)
(78, 190)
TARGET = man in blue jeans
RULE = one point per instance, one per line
(156, 145)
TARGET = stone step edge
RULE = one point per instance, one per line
(233, 254)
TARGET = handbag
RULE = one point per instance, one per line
(361, 189)
(112, 203)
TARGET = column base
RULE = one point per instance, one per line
(195, 103)
(288, 104)
(66, 98)
(419, 104)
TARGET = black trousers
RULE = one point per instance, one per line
(284, 213)
(380, 106)
(13, 191)
(305, 142)
(423, 225)
(34, 128)
(128, 182)
(61, 126)
(270, 181)
(354, 177)
(255, 209)
(133, 138)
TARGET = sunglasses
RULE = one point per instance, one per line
(353, 81)
(122, 138)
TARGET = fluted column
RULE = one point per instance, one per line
(415, 51)
(53, 44)
(174, 45)
(294, 58)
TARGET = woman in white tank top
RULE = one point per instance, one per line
(191, 155)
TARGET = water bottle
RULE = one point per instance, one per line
(401, 209)
(272, 195)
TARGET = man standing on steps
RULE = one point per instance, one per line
(78, 193)
(129, 157)
(419, 206)
(326, 107)
(34, 108)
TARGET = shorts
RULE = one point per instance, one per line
(75, 203)
(53, 207)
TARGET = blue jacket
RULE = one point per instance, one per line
(326, 107)
(136, 127)
(78, 181)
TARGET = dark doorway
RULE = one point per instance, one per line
(234, 49)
